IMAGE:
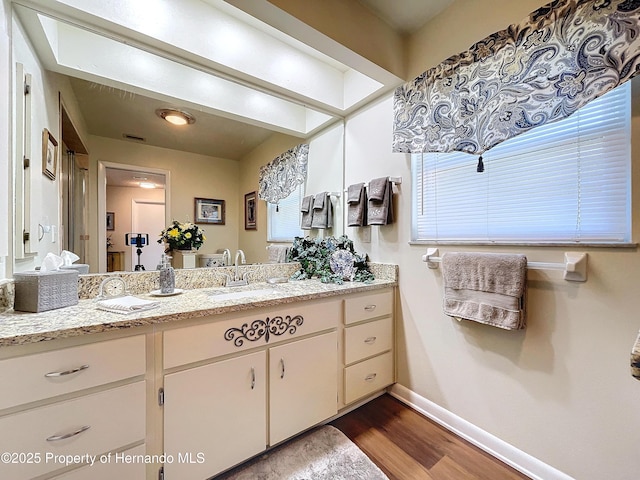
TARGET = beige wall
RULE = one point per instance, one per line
(460, 26)
(561, 390)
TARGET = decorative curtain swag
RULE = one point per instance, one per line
(283, 174)
(543, 69)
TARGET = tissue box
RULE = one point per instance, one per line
(40, 291)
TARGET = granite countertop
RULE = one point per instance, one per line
(19, 328)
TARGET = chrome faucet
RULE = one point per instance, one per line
(239, 254)
(237, 281)
(226, 257)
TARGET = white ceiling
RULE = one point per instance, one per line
(406, 16)
(118, 96)
(113, 113)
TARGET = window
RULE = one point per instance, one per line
(564, 182)
(283, 221)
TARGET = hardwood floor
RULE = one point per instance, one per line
(408, 446)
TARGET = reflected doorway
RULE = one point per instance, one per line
(147, 218)
(126, 193)
(74, 189)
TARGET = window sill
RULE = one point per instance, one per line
(630, 245)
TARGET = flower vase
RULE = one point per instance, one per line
(183, 259)
(187, 246)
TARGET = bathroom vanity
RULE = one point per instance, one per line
(193, 387)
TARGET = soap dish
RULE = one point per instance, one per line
(158, 293)
(278, 280)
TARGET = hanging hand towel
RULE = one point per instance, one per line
(380, 207)
(307, 212)
(322, 211)
(357, 205)
(486, 287)
(278, 253)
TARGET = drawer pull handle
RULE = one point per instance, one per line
(253, 378)
(370, 308)
(281, 368)
(370, 340)
(66, 372)
(371, 377)
(55, 438)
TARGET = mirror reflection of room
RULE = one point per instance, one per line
(113, 123)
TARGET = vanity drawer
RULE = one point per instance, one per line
(110, 470)
(368, 339)
(367, 377)
(115, 418)
(262, 328)
(368, 305)
(43, 375)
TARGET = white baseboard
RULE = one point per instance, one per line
(521, 461)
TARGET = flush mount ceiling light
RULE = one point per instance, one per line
(147, 185)
(176, 117)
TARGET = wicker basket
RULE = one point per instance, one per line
(40, 291)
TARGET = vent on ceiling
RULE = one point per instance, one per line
(135, 138)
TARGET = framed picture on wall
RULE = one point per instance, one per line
(111, 221)
(250, 211)
(49, 154)
(209, 210)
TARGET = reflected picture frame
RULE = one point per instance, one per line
(49, 154)
(250, 211)
(209, 210)
(111, 221)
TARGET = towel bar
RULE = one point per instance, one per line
(574, 266)
(394, 180)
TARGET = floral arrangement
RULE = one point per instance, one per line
(314, 255)
(182, 236)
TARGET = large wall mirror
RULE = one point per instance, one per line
(99, 83)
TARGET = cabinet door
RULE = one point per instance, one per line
(214, 416)
(303, 385)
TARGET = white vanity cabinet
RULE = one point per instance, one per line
(215, 414)
(368, 344)
(127, 467)
(205, 392)
(226, 411)
(303, 385)
(81, 400)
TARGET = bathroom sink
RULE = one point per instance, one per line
(243, 294)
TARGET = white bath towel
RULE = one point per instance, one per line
(127, 304)
(486, 287)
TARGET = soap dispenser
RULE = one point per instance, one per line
(167, 276)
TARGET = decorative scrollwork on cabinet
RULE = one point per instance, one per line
(258, 329)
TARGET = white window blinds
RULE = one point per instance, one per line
(283, 221)
(568, 181)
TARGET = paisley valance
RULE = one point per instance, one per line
(283, 174)
(540, 70)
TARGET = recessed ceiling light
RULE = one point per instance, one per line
(176, 117)
(147, 185)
